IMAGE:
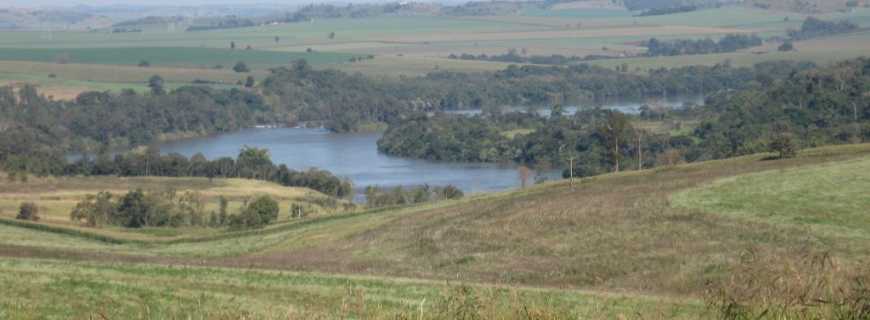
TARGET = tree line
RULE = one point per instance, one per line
(377, 197)
(251, 163)
(513, 56)
(140, 209)
(813, 28)
(728, 43)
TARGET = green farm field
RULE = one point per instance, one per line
(170, 56)
(400, 45)
(630, 245)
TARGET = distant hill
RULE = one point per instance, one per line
(28, 19)
(808, 6)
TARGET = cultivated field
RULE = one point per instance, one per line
(401, 45)
(650, 241)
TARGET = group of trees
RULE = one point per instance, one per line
(251, 163)
(217, 23)
(667, 10)
(664, 5)
(382, 197)
(140, 209)
(813, 28)
(598, 140)
(728, 43)
(329, 11)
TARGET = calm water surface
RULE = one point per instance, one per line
(354, 156)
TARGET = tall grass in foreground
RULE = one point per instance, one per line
(771, 286)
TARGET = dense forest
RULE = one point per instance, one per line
(348, 102)
(812, 107)
(728, 43)
(36, 128)
(599, 140)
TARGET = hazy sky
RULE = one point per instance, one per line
(68, 3)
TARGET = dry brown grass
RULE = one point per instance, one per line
(615, 233)
(805, 285)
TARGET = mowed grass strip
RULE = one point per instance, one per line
(47, 289)
(832, 197)
(170, 56)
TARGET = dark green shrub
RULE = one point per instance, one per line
(258, 213)
(28, 211)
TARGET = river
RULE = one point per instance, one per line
(353, 156)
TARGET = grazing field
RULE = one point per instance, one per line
(168, 57)
(404, 45)
(831, 198)
(66, 81)
(34, 288)
(819, 51)
(660, 235)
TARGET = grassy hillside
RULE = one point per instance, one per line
(662, 234)
(829, 198)
(34, 288)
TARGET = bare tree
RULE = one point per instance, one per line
(524, 173)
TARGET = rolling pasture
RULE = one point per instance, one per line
(641, 244)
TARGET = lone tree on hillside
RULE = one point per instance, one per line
(241, 67)
(249, 82)
(783, 142)
(156, 85)
(332, 35)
